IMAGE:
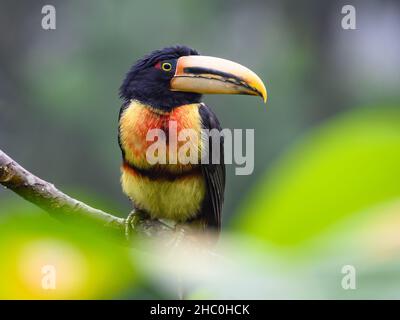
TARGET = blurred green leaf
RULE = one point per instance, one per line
(85, 263)
(345, 166)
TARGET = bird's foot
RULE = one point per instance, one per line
(131, 223)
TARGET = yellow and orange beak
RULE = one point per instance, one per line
(202, 74)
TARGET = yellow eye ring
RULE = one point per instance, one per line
(166, 66)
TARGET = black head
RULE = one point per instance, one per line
(149, 79)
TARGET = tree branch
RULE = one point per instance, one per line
(61, 206)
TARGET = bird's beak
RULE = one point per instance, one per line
(201, 74)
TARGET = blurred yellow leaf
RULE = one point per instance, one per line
(44, 259)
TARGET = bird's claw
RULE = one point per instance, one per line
(131, 222)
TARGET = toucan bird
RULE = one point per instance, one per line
(164, 86)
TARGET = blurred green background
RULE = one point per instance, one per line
(325, 191)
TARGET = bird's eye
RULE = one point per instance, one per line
(166, 66)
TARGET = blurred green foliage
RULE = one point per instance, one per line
(87, 263)
(343, 167)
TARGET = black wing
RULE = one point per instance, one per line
(214, 174)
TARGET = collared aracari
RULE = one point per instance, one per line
(166, 85)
